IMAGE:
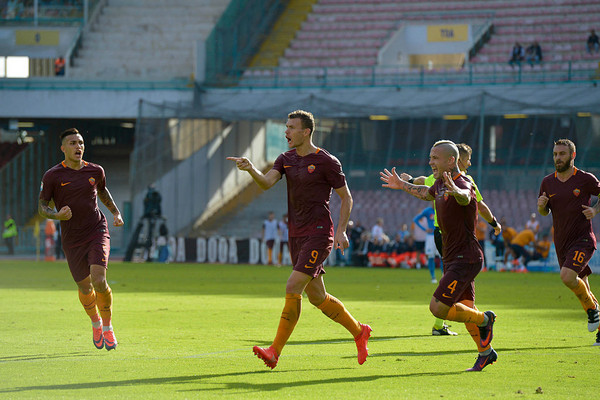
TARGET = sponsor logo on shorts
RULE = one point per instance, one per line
(64, 183)
(311, 168)
(92, 181)
(446, 296)
(553, 194)
(307, 266)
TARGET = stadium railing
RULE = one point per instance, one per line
(398, 76)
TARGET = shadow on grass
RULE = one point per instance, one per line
(170, 380)
(274, 386)
(450, 352)
(33, 357)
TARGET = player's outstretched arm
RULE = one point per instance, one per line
(393, 181)
(265, 181)
(340, 240)
(45, 211)
(419, 180)
(107, 200)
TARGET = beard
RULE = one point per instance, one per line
(563, 167)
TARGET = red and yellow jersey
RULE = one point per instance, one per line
(565, 201)
(310, 179)
(77, 189)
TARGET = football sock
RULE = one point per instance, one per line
(287, 322)
(461, 313)
(334, 309)
(485, 352)
(88, 301)
(438, 324)
(583, 294)
(431, 265)
(270, 253)
(105, 300)
(279, 257)
(473, 330)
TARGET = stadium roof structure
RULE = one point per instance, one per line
(253, 104)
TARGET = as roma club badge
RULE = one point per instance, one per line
(311, 169)
(92, 181)
(576, 192)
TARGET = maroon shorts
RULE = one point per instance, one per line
(309, 252)
(457, 283)
(270, 243)
(577, 258)
(94, 252)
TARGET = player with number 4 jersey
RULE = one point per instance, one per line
(567, 194)
(455, 203)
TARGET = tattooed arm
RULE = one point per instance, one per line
(107, 200)
(45, 211)
(393, 181)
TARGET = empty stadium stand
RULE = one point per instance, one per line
(345, 36)
(151, 40)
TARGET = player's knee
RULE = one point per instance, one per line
(568, 277)
(99, 283)
(437, 311)
(316, 299)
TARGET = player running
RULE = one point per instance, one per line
(311, 173)
(456, 207)
(74, 185)
(567, 193)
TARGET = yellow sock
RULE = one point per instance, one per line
(105, 300)
(474, 329)
(583, 294)
(335, 310)
(279, 257)
(88, 301)
(270, 254)
(289, 318)
(461, 313)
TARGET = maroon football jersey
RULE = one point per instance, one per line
(309, 183)
(457, 223)
(77, 189)
(565, 201)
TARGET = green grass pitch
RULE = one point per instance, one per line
(186, 331)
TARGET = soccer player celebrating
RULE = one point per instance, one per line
(74, 185)
(456, 207)
(567, 193)
(464, 162)
(311, 173)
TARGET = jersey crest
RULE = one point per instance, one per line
(311, 168)
(576, 192)
(92, 181)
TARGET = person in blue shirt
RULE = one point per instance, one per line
(430, 250)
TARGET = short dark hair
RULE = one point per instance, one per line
(308, 120)
(449, 147)
(568, 143)
(68, 132)
(464, 149)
